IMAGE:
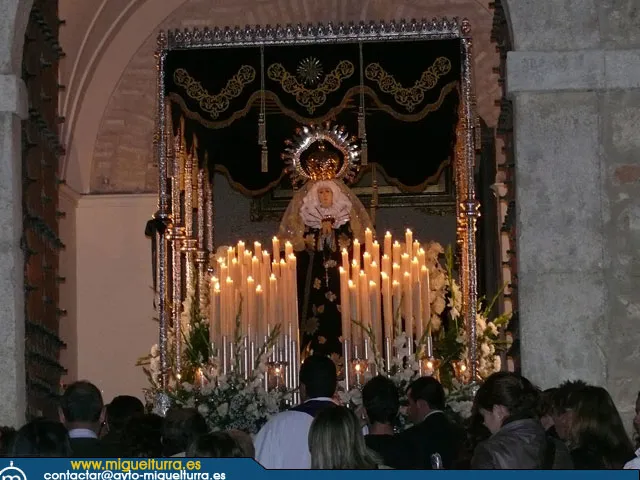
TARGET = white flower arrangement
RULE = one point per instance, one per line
(232, 402)
(452, 344)
(226, 401)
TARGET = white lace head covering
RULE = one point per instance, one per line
(304, 209)
(312, 212)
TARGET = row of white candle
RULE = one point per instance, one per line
(266, 289)
(373, 292)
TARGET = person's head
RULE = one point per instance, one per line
(181, 427)
(505, 397)
(595, 421)
(215, 445)
(7, 434)
(142, 436)
(318, 377)
(546, 408)
(81, 406)
(121, 409)
(325, 196)
(562, 397)
(41, 438)
(336, 442)
(245, 443)
(381, 400)
(424, 395)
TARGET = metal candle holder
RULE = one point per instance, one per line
(359, 369)
(276, 373)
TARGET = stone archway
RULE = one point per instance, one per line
(567, 61)
(13, 108)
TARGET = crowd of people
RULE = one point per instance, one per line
(513, 426)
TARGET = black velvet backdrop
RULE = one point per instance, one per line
(409, 140)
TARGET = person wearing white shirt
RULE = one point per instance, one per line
(633, 464)
(282, 443)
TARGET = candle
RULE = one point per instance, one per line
(223, 270)
(257, 249)
(422, 260)
(387, 244)
(273, 302)
(223, 306)
(417, 309)
(353, 304)
(415, 270)
(376, 320)
(366, 262)
(230, 302)
(249, 320)
(397, 252)
(373, 306)
(293, 297)
(260, 313)
(283, 292)
(255, 269)
(265, 273)
(288, 249)
(344, 304)
(408, 304)
(275, 242)
(426, 297)
(416, 248)
(386, 265)
(345, 260)
(408, 240)
(235, 271)
(356, 251)
(374, 272)
(396, 273)
(355, 271)
(266, 260)
(214, 296)
(397, 298)
(387, 302)
(406, 263)
(375, 252)
(240, 249)
(231, 255)
(368, 239)
(275, 267)
(245, 268)
(364, 299)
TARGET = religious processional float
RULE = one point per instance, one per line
(235, 322)
(233, 348)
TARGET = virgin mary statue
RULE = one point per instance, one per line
(323, 218)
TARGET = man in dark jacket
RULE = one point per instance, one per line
(82, 412)
(432, 432)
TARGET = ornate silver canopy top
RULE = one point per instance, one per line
(434, 29)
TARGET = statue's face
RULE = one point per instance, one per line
(325, 197)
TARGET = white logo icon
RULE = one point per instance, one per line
(12, 473)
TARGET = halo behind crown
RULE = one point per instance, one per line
(340, 160)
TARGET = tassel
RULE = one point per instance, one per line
(362, 133)
(265, 158)
(262, 130)
(364, 160)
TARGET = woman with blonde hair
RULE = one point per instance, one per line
(336, 442)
